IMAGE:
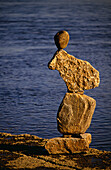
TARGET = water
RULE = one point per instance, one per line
(30, 93)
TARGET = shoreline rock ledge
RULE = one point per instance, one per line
(25, 151)
(76, 110)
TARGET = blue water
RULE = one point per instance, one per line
(30, 93)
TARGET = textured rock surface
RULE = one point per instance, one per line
(75, 113)
(61, 39)
(78, 75)
(68, 145)
(76, 110)
(27, 152)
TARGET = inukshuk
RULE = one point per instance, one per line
(76, 110)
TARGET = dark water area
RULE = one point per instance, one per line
(30, 93)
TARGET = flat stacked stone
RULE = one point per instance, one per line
(68, 145)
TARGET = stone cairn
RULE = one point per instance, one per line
(76, 110)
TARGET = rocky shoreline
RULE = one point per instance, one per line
(27, 151)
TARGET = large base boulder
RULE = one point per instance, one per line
(68, 145)
(75, 113)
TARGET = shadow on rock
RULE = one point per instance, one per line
(28, 150)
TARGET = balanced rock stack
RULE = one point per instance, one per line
(76, 110)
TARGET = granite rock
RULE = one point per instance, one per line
(75, 113)
(68, 145)
(78, 75)
(61, 39)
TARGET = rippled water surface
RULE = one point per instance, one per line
(30, 93)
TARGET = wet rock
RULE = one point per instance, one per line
(61, 39)
(68, 145)
(78, 75)
(75, 113)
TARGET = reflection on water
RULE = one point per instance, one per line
(30, 93)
